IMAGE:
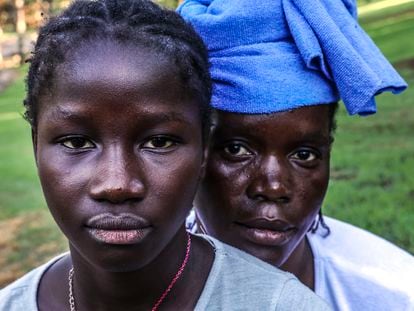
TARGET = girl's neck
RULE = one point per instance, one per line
(140, 288)
(301, 264)
(97, 289)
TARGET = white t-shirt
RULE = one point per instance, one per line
(357, 270)
(237, 281)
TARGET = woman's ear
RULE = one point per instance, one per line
(206, 147)
(206, 152)
(34, 143)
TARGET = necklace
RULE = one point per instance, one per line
(180, 271)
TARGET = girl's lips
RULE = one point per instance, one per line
(121, 229)
(119, 237)
(123, 221)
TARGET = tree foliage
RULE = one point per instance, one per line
(34, 10)
(168, 3)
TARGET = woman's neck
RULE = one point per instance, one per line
(301, 264)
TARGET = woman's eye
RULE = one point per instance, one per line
(77, 143)
(159, 143)
(304, 155)
(237, 150)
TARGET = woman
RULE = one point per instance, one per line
(278, 69)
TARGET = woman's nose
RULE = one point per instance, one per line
(118, 177)
(270, 181)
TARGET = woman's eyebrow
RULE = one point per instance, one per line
(319, 137)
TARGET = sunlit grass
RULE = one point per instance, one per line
(392, 29)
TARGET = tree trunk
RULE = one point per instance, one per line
(1, 48)
(20, 27)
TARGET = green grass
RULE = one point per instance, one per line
(385, 13)
(28, 235)
(20, 190)
(372, 184)
(373, 158)
(392, 29)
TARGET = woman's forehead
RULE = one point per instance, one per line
(311, 118)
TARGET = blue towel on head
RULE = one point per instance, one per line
(277, 55)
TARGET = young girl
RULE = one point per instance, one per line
(118, 95)
(279, 67)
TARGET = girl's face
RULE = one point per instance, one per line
(119, 152)
(266, 180)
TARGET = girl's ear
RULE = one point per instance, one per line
(34, 142)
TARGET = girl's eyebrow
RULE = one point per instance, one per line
(167, 117)
(76, 114)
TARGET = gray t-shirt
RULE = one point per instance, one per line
(237, 281)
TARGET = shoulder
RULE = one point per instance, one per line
(357, 263)
(238, 278)
(22, 293)
(238, 264)
(356, 244)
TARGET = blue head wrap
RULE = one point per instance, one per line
(277, 55)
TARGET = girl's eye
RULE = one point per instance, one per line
(159, 143)
(237, 150)
(305, 155)
(77, 143)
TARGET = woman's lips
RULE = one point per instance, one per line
(122, 229)
(266, 232)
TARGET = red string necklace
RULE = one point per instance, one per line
(164, 294)
(176, 277)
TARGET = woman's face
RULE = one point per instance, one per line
(266, 179)
(119, 153)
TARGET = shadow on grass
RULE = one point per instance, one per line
(27, 241)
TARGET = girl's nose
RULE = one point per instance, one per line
(118, 178)
(270, 182)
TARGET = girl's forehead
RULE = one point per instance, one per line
(114, 70)
(109, 60)
(119, 77)
(105, 111)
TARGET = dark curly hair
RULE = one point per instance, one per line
(136, 22)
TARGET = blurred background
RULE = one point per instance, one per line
(372, 183)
